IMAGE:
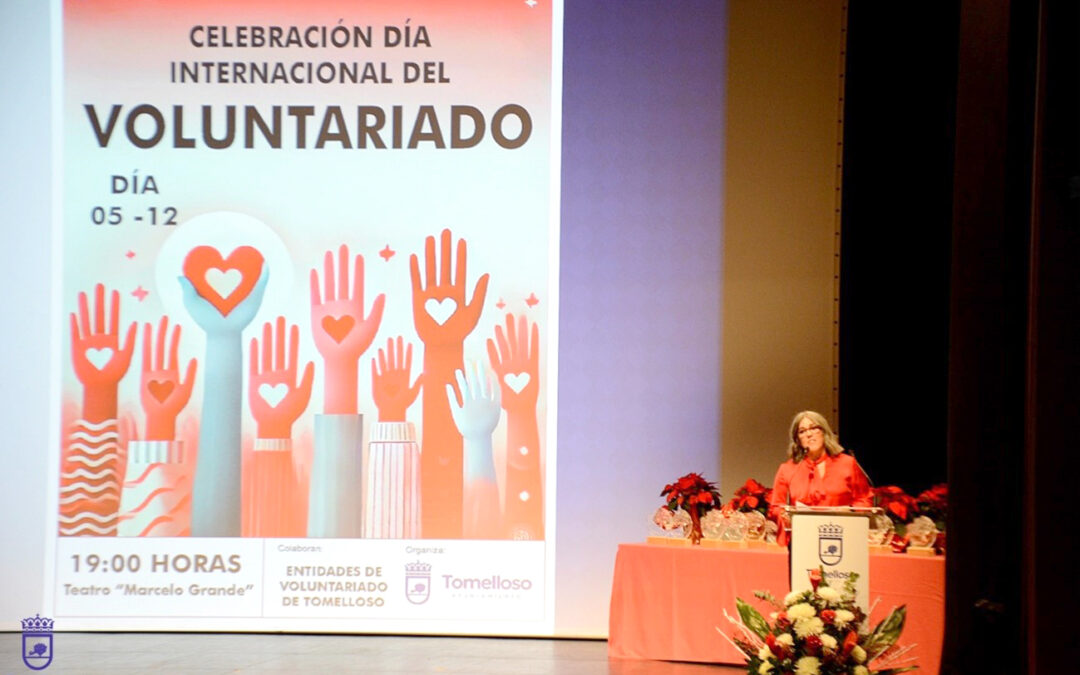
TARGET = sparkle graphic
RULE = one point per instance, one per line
(140, 293)
(387, 253)
(129, 255)
(532, 300)
(500, 304)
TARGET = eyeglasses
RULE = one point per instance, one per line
(809, 430)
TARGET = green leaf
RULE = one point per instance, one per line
(769, 598)
(894, 671)
(886, 633)
(752, 619)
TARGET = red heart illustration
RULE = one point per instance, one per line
(223, 282)
(160, 389)
(338, 328)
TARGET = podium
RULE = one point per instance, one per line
(834, 539)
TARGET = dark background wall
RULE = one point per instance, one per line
(899, 108)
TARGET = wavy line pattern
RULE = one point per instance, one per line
(90, 480)
(156, 497)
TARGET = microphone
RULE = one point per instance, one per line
(864, 473)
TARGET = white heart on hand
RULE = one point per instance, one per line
(516, 381)
(440, 310)
(224, 282)
(273, 393)
(99, 357)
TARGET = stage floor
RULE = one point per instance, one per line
(167, 653)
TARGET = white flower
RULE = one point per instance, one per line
(843, 618)
(802, 610)
(860, 670)
(828, 642)
(812, 626)
(765, 668)
(764, 653)
(830, 595)
(859, 654)
(807, 665)
(785, 639)
(773, 615)
(793, 597)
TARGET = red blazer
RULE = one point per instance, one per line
(843, 484)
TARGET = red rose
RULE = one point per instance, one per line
(850, 640)
(828, 616)
(813, 645)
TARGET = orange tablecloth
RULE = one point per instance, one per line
(667, 601)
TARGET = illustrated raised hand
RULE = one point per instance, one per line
(209, 316)
(443, 318)
(342, 332)
(515, 357)
(98, 357)
(478, 413)
(162, 391)
(275, 396)
(440, 311)
(390, 375)
(516, 362)
(476, 417)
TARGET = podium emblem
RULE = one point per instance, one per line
(830, 544)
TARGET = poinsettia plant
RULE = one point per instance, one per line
(752, 496)
(934, 504)
(819, 632)
(695, 495)
(899, 505)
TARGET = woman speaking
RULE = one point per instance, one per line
(818, 472)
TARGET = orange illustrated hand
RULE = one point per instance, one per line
(443, 318)
(516, 361)
(161, 390)
(390, 375)
(99, 359)
(440, 311)
(342, 332)
(515, 358)
(276, 399)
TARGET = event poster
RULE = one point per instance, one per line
(308, 297)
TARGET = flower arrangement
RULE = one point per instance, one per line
(817, 632)
(696, 496)
(905, 511)
(899, 505)
(934, 504)
(752, 496)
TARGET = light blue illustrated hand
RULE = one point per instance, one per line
(476, 418)
(215, 507)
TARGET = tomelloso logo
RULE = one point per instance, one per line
(37, 642)
(493, 583)
(417, 582)
(830, 543)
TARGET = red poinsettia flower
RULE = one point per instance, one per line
(899, 505)
(934, 503)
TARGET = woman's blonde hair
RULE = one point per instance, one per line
(795, 450)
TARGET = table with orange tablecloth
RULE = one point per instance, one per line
(667, 601)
